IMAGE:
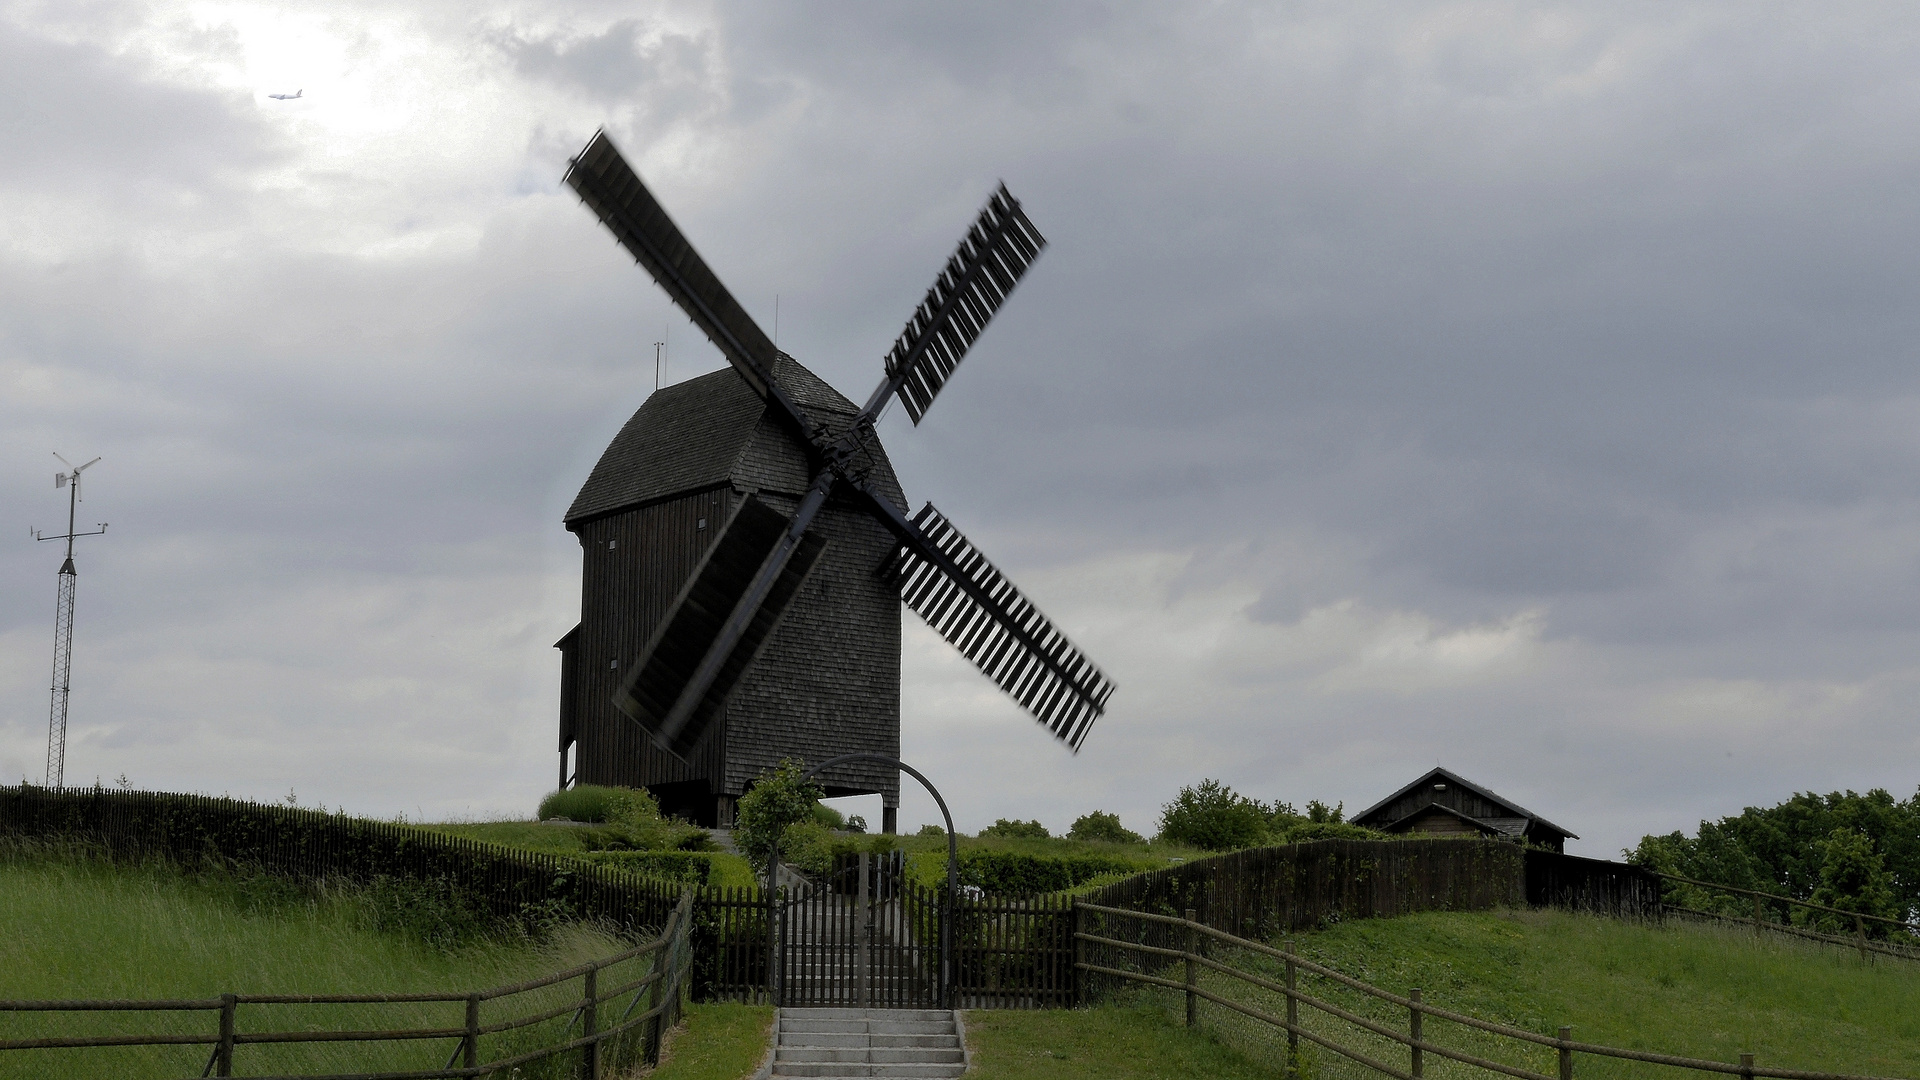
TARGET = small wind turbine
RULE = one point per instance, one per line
(63, 624)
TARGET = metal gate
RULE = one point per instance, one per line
(866, 938)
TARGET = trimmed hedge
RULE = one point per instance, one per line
(505, 883)
(1013, 873)
(679, 867)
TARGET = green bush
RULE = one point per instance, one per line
(1103, 827)
(1214, 817)
(807, 846)
(678, 867)
(1017, 830)
(932, 830)
(604, 805)
(1303, 832)
(828, 816)
(777, 800)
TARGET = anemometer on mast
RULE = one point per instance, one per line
(63, 623)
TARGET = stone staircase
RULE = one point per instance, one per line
(845, 1043)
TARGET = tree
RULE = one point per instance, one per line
(1017, 830)
(1104, 827)
(1784, 849)
(777, 801)
(1215, 817)
(1853, 877)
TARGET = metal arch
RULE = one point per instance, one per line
(953, 859)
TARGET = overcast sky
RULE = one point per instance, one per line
(1519, 388)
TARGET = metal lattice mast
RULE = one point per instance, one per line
(63, 627)
(62, 683)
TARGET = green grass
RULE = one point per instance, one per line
(70, 928)
(1683, 988)
(1111, 1043)
(716, 1042)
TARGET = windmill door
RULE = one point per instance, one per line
(865, 938)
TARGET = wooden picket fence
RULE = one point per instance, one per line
(1261, 892)
(608, 1035)
(1285, 999)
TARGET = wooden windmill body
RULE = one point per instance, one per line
(746, 546)
(828, 681)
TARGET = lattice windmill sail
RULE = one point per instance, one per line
(761, 557)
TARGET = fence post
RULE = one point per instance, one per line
(1746, 1066)
(656, 1028)
(1293, 1016)
(1193, 971)
(223, 1054)
(1566, 1054)
(1756, 916)
(1080, 978)
(470, 1044)
(1415, 1029)
(590, 1053)
(1860, 929)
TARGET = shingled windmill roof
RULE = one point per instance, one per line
(713, 430)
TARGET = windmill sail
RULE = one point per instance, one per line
(611, 189)
(983, 270)
(973, 605)
(659, 692)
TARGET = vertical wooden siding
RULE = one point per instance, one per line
(625, 589)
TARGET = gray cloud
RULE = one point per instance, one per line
(1524, 387)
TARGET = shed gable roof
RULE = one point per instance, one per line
(1514, 810)
(711, 431)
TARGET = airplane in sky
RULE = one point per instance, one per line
(288, 97)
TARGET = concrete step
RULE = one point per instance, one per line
(875, 1055)
(832, 1043)
(836, 1069)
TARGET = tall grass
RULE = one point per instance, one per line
(71, 927)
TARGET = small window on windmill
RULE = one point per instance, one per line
(611, 544)
(1439, 786)
(613, 663)
(701, 524)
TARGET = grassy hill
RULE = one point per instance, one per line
(70, 928)
(1681, 988)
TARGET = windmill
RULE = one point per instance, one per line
(749, 571)
(63, 624)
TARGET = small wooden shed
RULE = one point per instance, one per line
(1443, 803)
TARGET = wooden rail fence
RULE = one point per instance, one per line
(1902, 940)
(654, 972)
(1118, 947)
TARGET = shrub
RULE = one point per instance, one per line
(932, 830)
(778, 799)
(828, 816)
(1102, 826)
(604, 805)
(1017, 830)
(1214, 817)
(807, 846)
(1307, 831)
